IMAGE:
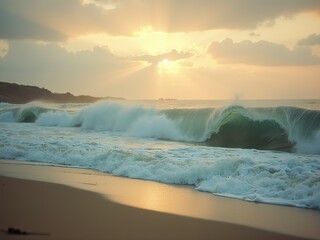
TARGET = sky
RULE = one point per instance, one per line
(150, 49)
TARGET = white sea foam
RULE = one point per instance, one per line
(56, 118)
(124, 140)
(129, 120)
(311, 145)
(276, 128)
(253, 175)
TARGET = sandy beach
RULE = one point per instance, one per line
(64, 203)
(162, 119)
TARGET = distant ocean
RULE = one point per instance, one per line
(259, 150)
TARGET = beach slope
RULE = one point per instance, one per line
(54, 211)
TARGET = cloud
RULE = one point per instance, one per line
(260, 53)
(249, 82)
(173, 55)
(101, 73)
(97, 72)
(106, 4)
(85, 72)
(56, 19)
(253, 34)
(50, 19)
(16, 27)
(197, 15)
(311, 40)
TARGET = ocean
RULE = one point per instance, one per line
(264, 151)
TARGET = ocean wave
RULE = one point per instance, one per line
(281, 128)
(123, 139)
(252, 175)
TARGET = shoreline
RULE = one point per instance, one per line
(159, 206)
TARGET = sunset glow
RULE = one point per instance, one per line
(167, 119)
(165, 62)
(213, 49)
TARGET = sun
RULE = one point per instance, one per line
(167, 66)
(165, 62)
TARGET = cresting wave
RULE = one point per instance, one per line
(282, 128)
(123, 139)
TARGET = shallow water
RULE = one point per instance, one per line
(180, 142)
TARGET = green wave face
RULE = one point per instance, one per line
(238, 131)
(280, 128)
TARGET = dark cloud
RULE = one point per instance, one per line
(173, 55)
(16, 27)
(260, 53)
(54, 19)
(50, 19)
(311, 40)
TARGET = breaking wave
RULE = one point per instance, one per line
(282, 128)
(122, 139)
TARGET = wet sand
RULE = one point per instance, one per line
(66, 203)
